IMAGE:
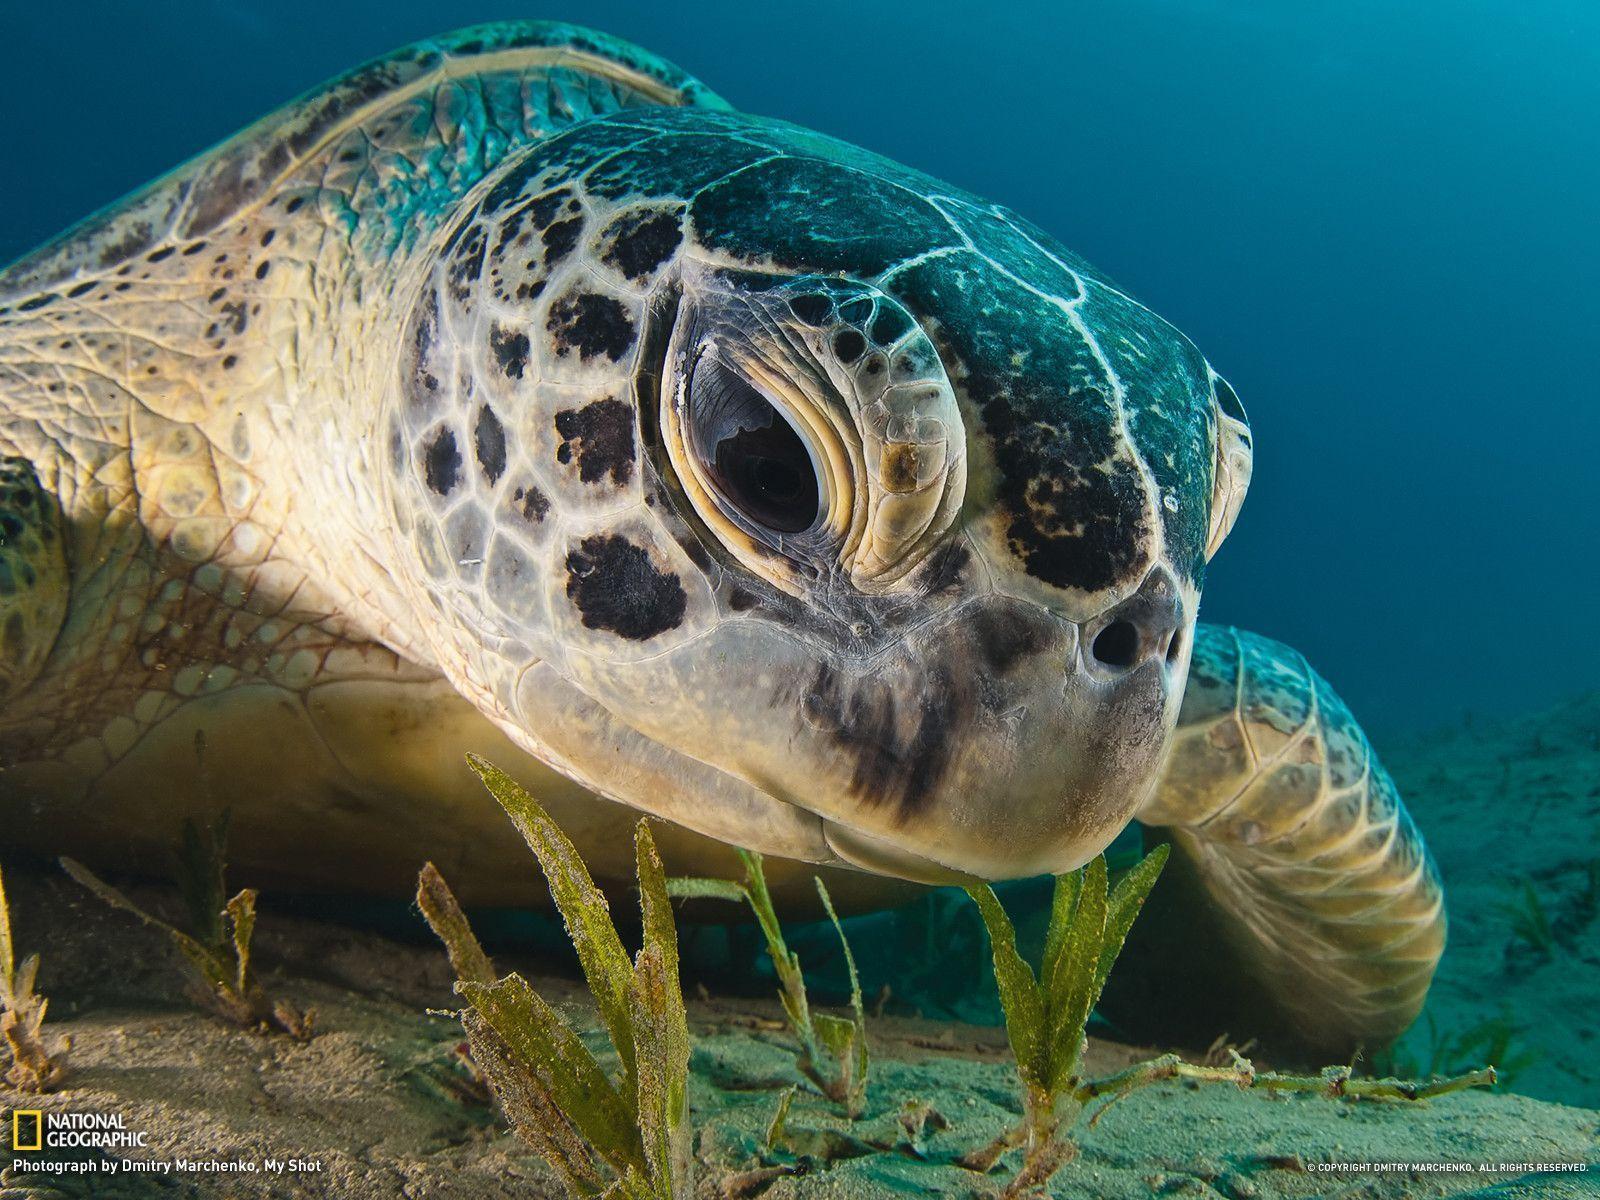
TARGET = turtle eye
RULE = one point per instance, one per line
(749, 451)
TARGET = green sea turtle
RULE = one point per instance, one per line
(514, 394)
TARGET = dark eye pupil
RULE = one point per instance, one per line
(776, 479)
(753, 455)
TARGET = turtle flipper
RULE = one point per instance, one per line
(33, 575)
(1294, 837)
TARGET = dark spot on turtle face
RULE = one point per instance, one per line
(899, 467)
(261, 271)
(591, 324)
(914, 362)
(510, 233)
(811, 308)
(442, 462)
(616, 587)
(538, 213)
(530, 503)
(160, 255)
(889, 326)
(559, 240)
(489, 440)
(1077, 530)
(424, 330)
(900, 739)
(82, 289)
(542, 210)
(1005, 636)
(510, 348)
(637, 243)
(427, 324)
(849, 345)
(600, 437)
(466, 260)
(740, 600)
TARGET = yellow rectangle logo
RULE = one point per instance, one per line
(31, 1119)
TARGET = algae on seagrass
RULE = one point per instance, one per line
(623, 1136)
(29, 1064)
(833, 1050)
(217, 944)
(1046, 1014)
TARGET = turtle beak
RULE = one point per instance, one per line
(881, 857)
(1068, 744)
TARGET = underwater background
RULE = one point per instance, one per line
(1377, 220)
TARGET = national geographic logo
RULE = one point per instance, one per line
(27, 1129)
(34, 1130)
(52, 1144)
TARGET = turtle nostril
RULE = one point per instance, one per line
(1147, 627)
(1117, 645)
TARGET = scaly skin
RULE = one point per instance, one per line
(1298, 837)
(369, 439)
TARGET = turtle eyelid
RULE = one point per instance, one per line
(1232, 463)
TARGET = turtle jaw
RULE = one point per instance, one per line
(1045, 758)
(880, 857)
(1035, 826)
(988, 742)
(1066, 734)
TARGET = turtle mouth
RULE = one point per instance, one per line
(868, 853)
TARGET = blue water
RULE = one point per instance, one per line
(1378, 220)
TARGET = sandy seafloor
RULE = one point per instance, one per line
(378, 1102)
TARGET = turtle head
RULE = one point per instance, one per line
(804, 484)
